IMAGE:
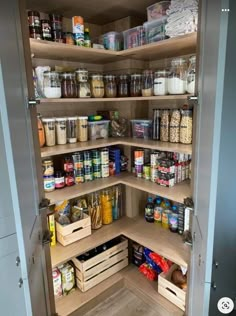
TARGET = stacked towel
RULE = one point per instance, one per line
(182, 17)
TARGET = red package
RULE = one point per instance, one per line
(149, 273)
(160, 261)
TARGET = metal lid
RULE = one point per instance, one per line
(48, 119)
(68, 75)
(60, 119)
(109, 77)
(51, 74)
(178, 61)
(136, 76)
(82, 117)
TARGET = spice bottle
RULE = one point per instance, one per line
(110, 86)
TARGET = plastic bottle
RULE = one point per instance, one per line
(165, 204)
(149, 211)
(173, 221)
(157, 210)
(87, 40)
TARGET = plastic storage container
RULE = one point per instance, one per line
(141, 129)
(155, 30)
(98, 130)
(134, 37)
(113, 41)
(157, 10)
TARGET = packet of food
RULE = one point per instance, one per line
(62, 212)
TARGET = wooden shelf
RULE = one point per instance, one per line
(126, 141)
(153, 236)
(177, 46)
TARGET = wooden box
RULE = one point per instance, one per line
(170, 291)
(70, 233)
(93, 271)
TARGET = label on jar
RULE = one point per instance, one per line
(104, 157)
(49, 184)
(59, 182)
(79, 179)
(68, 166)
(105, 171)
(158, 214)
(69, 180)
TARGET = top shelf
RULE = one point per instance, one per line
(172, 47)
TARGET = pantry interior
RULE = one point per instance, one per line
(132, 225)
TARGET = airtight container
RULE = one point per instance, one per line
(157, 10)
(142, 128)
(155, 30)
(98, 130)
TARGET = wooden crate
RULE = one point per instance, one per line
(170, 291)
(70, 233)
(93, 271)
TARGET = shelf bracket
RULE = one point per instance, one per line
(193, 99)
(33, 102)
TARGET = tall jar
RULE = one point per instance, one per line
(41, 132)
(161, 82)
(61, 134)
(175, 126)
(123, 86)
(95, 210)
(156, 124)
(106, 201)
(82, 128)
(72, 129)
(83, 84)
(186, 127)
(51, 84)
(97, 86)
(136, 85)
(191, 75)
(110, 86)
(147, 83)
(68, 85)
(50, 132)
(177, 80)
(164, 126)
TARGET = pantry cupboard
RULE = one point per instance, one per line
(26, 243)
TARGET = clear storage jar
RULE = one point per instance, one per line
(110, 86)
(68, 85)
(106, 201)
(136, 85)
(72, 129)
(161, 82)
(84, 90)
(51, 84)
(177, 80)
(123, 86)
(191, 75)
(95, 210)
(50, 132)
(186, 127)
(61, 134)
(147, 83)
(97, 86)
(175, 126)
(82, 128)
(164, 126)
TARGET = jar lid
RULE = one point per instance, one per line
(48, 119)
(81, 70)
(97, 76)
(45, 21)
(136, 76)
(49, 161)
(48, 177)
(72, 118)
(109, 77)
(124, 76)
(82, 117)
(186, 112)
(162, 72)
(33, 13)
(51, 73)
(68, 75)
(60, 119)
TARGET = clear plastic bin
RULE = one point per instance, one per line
(113, 41)
(142, 129)
(155, 30)
(157, 10)
(134, 37)
(98, 130)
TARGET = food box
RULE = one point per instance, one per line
(67, 278)
(70, 233)
(134, 37)
(141, 128)
(170, 291)
(166, 179)
(166, 165)
(100, 263)
(52, 229)
(98, 130)
(155, 30)
(56, 279)
(157, 10)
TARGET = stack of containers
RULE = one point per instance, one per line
(78, 162)
(96, 156)
(105, 162)
(88, 166)
(78, 30)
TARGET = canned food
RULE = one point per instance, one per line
(154, 159)
(79, 176)
(96, 156)
(154, 174)
(105, 156)
(139, 171)
(139, 157)
(68, 164)
(87, 159)
(78, 160)
(48, 169)
(88, 173)
(147, 172)
(97, 171)
(105, 170)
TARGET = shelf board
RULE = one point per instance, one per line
(128, 99)
(153, 236)
(127, 141)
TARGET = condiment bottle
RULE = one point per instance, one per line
(149, 211)
(157, 210)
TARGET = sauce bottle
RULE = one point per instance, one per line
(149, 211)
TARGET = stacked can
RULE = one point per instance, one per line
(88, 166)
(105, 162)
(78, 161)
(154, 166)
(138, 162)
(96, 158)
(78, 30)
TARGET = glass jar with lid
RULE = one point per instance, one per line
(161, 82)
(191, 74)
(135, 85)
(174, 126)
(110, 86)
(61, 133)
(164, 126)
(68, 85)
(186, 127)
(72, 129)
(83, 84)
(147, 83)
(123, 86)
(51, 84)
(97, 86)
(178, 76)
(50, 132)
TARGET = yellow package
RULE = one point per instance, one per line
(52, 229)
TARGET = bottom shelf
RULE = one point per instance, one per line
(130, 278)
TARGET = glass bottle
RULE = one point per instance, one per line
(186, 127)
(147, 83)
(136, 85)
(123, 86)
(164, 126)
(68, 85)
(110, 86)
(83, 84)
(97, 86)
(87, 40)
(177, 80)
(51, 84)
(175, 126)
(106, 201)
(191, 75)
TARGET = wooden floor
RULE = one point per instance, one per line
(122, 303)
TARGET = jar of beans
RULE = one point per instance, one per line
(186, 127)
(174, 126)
(164, 126)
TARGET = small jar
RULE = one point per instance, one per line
(34, 18)
(136, 85)
(59, 180)
(68, 38)
(147, 83)
(61, 135)
(69, 179)
(51, 84)
(82, 83)
(72, 130)
(161, 82)
(57, 36)
(68, 164)
(191, 74)
(68, 85)
(97, 86)
(50, 131)
(110, 86)
(46, 30)
(48, 167)
(48, 183)
(164, 126)
(82, 128)
(174, 126)
(178, 76)
(123, 86)
(35, 32)
(186, 127)
(56, 21)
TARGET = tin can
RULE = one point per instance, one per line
(139, 157)
(154, 174)
(147, 172)
(88, 173)
(104, 156)
(96, 157)
(105, 170)
(97, 171)
(154, 160)
(48, 168)
(88, 159)
(139, 171)
(78, 160)
(79, 176)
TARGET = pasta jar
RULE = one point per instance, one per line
(164, 126)
(175, 126)
(82, 128)
(51, 84)
(83, 84)
(97, 86)
(106, 201)
(147, 83)
(72, 129)
(68, 85)
(50, 132)
(178, 76)
(123, 86)
(110, 86)
(186, 127)
(161, 82)
(95, 210)
(61, 135)
(191, 75)
(136, 85)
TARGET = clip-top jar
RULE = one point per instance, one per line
(123, 86)
(136, 85)
(83, 84)
(51, 84)
(147, 83)
(97, 86)
(161, 82)
(191, 75)
(68, 85)
(177, 77)
(110, 86)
